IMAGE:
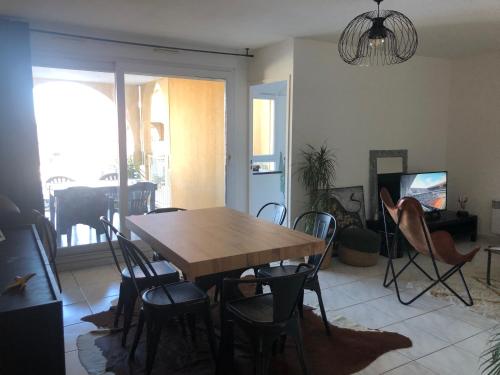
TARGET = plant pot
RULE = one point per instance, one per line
(328, 259)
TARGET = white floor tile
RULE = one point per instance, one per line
(411, 368)
(384, 363)
(73, 313)
(475, 344)
(451, 361)
(72, 332)
(423, 342)
(446, 328)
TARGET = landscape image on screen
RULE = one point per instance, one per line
(428, 188)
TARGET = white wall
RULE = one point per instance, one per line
(355, 109)
(474, 134)
(272, 63)
(84, 54)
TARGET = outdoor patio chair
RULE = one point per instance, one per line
(109, 177)
(321, 225)
(409, 218)
(80, 205)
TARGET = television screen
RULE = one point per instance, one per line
(429, 188)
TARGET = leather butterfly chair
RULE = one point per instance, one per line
(321, 225)
(128, 294)
(408, 216)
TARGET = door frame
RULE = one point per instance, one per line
(90, 255)
(287, 139)
(160, 69)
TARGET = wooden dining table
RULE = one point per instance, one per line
(212, 240)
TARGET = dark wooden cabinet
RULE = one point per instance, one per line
(31, 322)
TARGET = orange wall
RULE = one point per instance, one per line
(197, 126)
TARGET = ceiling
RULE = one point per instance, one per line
(447, 28)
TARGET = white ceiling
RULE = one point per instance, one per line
(447, 28)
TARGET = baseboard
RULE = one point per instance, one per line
(78, 257)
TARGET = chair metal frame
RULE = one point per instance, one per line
(153, 315)
(312, 281)
(279, 217)
(440, 278)
(264, 334)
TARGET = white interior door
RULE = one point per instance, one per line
(268, 151)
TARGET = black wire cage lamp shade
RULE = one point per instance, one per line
(379, 37)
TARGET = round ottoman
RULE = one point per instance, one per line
(359, 247)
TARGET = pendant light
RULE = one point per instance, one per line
(380, 37)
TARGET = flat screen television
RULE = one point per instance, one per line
(430, 188)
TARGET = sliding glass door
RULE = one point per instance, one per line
(154, 141)
(75, 112)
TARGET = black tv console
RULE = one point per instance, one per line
(447, 221)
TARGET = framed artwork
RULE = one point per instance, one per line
(347, 204)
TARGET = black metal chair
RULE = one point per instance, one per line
(58, 180)
(265, 318)
(321, 225)
(48, 236)
(128, 294)
(162, 302)
(278, 212)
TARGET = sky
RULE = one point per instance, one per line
(425, 180)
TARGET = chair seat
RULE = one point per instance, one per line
(258, 309)
(277, 271)
(181, 292)
(162, 268)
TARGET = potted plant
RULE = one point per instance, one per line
(491, 356)
(317, 175)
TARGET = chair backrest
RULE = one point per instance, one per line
(109, 230)
(58, 180)
(81, 205)
(321, 225)
(135, 258)
(165, 209)
(48, 236)
(277, 214)
(286, 291)
(139, 196)
(109, 177)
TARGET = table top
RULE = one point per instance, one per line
(206, 241)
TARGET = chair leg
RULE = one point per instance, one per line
(225, 358)
(488, 269)
(210, 331)
(128, 312)
(119, 306)
(317, 289)
(154, 326)
(263, 359)
(300, 304)
(138, 332)
(191, 319)
(297, 337)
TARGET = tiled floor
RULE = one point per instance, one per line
(447, 339)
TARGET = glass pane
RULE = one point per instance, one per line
(176, 140)
(263, 126)
(78, 142)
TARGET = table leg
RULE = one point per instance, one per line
(488, 269)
